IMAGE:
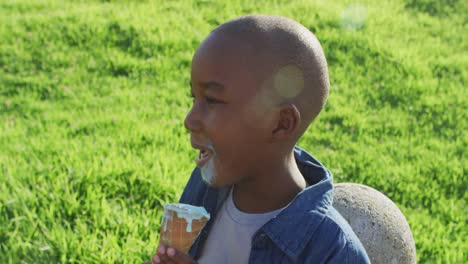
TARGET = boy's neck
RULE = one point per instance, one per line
(273, 189)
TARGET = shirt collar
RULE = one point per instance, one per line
(293, 227)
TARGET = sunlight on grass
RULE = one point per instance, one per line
(93, 95)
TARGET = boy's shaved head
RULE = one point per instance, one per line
(287, 58)
(257, 82)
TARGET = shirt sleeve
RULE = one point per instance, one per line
(335, 242)
(349, 248)
(357, 253)
(352, 252)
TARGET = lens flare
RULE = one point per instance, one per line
(289, 81)
(353, 17)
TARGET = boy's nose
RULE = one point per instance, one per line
(191, 122)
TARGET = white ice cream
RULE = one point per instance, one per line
(185, 211)
(208, 170)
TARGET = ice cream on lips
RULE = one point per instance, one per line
(205, 161)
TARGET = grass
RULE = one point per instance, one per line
(93, 96)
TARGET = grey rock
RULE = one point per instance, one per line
(377, 221)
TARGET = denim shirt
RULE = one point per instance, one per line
(308, 230)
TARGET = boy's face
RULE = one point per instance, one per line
(225, 122)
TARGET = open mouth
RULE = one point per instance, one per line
(203, 157)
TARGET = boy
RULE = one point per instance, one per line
(258, 82)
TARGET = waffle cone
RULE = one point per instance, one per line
(179, 233)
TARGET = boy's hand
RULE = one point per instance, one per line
(169, 255)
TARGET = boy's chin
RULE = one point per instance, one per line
(208, 176)
(215, 183)
(212, 182)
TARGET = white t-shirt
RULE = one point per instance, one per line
(230, 238)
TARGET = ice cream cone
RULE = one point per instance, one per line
(181, 224)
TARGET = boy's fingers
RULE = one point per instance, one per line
(179, 257)
(156, 259)
(161, 249)
(167, 260)
(168, 255)
(161, 257)
(171, 252)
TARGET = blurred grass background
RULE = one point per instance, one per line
(93, 95)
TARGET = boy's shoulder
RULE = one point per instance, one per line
(311, 230)
(308, 230)
(336, 237)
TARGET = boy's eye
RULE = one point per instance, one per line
(210, 100)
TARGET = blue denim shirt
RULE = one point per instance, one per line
(308, 230)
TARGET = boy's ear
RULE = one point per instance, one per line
(287, 122)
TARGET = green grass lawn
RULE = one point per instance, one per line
(93, 95)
